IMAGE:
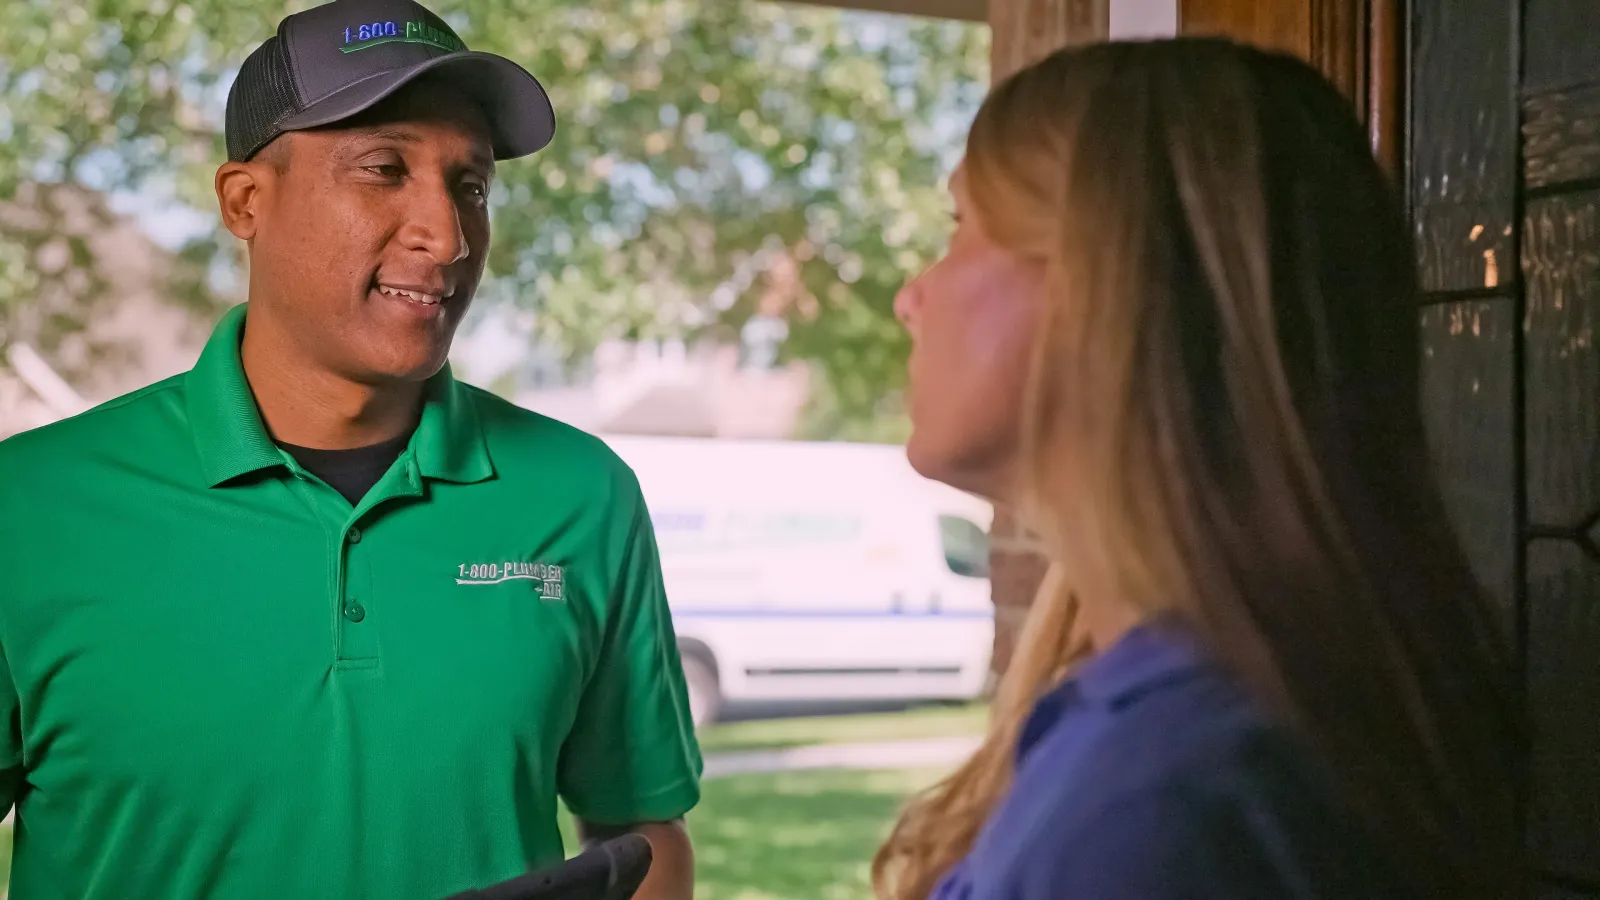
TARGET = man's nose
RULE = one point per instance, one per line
(434, 225)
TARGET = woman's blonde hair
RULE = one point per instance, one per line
(1222, 422)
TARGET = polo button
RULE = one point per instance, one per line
(354, 536)
(355, 612)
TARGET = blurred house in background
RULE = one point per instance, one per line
(138, 339)
(666, 388)
(644, 388)
(140, 336)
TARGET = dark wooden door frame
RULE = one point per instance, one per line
(1359, 44)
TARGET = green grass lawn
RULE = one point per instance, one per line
(804, 835)
(772, 734)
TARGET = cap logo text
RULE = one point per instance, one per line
(362, 37)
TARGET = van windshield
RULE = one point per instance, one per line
(966, 546)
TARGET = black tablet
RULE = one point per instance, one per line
(610, 871)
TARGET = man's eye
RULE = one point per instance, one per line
(387, 170)
(478, 192)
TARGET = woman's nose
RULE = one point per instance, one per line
(908, 303)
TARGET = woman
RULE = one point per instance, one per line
(1176, 327)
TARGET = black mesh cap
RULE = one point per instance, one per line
(336, 60)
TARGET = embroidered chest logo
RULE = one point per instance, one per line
(550, 579)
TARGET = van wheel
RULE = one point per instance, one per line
(705, 694)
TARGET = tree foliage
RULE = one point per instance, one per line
(715, 160)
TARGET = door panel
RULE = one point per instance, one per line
(1564, 705)
(1559, 130)
(1560, 39)
(1562, 262)
(1463, 143)
(1468, 386)
(1561, 389)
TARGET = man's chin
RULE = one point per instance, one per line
(408, 352)
(406, 367)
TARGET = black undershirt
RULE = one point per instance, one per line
(350, 472)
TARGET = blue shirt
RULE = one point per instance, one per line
(1152, 775)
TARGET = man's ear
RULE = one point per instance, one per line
(239, 194)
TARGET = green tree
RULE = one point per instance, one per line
(714, 160)
(95, 98)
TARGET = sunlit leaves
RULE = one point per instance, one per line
(699, 143)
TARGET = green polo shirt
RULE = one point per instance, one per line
(219, 680)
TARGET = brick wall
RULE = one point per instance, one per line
(1016, 566)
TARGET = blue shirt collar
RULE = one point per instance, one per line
(1150, 655)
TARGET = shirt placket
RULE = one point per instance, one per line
(354, 598)
(352, 548)
(359, 548)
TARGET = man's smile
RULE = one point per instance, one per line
(415, 293)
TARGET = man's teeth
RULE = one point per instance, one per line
(414, 296)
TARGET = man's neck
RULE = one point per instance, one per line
(311, 407)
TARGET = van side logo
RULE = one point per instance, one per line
(552, 583)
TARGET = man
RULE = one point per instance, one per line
(314, 620)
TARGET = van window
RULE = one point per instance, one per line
(966, 547)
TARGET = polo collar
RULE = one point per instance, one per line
(449, 442)
(231, 439)
(228, 432)
(1152, 654)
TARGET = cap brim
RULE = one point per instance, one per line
(514, 102)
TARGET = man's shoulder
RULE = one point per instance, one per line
(142, 430)
(117, 424)
(523, 441)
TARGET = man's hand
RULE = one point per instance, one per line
(672, 856)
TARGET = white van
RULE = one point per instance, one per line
(816, 571)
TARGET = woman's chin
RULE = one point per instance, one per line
(965, 471)
(923, 459)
